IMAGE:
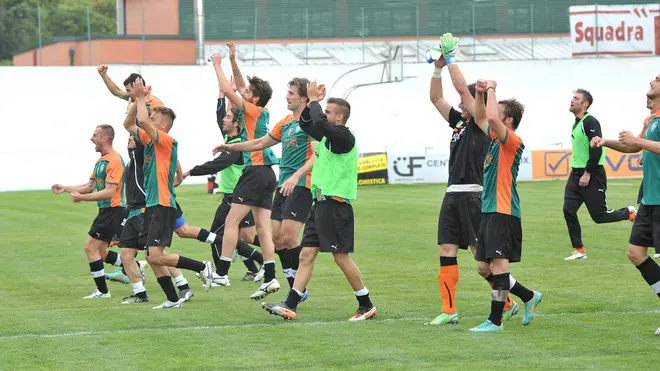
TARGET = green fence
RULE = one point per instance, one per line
(314, 19)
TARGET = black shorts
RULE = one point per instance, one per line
(460, 216)
(158, 226)
(646, 227)
(255, 187)
(500, 236)
(218, 225)
(130, 234)
(330, 227)
(108, 224)
(294, 207)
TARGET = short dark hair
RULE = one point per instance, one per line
(472, 88)
(166, 112)
(130, 80)
(260, 88)
(344, 104)
(513, 109)
(301, 84)
(236, 113)
(587, 96)
(108, 131)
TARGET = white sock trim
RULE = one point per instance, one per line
(180, 280)
(98, 274)
(362, 292)
(224, 258)
(118, 261)
(298, 292)
(512, 281)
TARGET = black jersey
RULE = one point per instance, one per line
(467, 151)
(134, 178)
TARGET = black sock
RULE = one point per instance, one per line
(250, 265)
(294, 257)
(522, 292)
(448, 260)
(290, 280)
(244, 249)
(364, 301)
(256, 241)
(269, 271)
(203, 235)
(166, 284)
(190, 264)
(292, 299)
(285, 260)
(500, 292)
(223, 268)
(215, 253)
(183, 287)
(96, 267)
(651, 273)
(111, 258)
(489, 278)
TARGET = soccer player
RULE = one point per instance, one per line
(293, 199)
(127, 93)
(646, 227)
(107, 180)
(161, 210)
(500, 234)
(230, 166)
(254, 189)
(581, 187)
(460, 212)
(330, 226)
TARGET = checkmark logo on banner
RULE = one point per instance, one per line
(556, 163)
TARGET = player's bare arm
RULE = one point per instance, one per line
(461, 86)
(290, 184)
(144, 121)
(615, 145)
(83, 188)
(250, 146)
(436, 93)
(493, 112)
(225, 85)
(112, 87)
(629, 139)
(178, 178)
(129, 122)
(105, 194)
(238, 80)
(480, 115)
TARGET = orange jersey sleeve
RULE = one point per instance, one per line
(251, 115)
(164, 139)
(142, 136)
(512, 141)
(276, 133)
(114, 173)
(646, 122)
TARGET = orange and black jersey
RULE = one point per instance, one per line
(467, 151)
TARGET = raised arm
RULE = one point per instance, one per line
(493, 113)
(112, 87)
(480, 116)
(129, 122)
(144, 121)
(461, 86)
(238, 77)
(225, 85)
(436, 93)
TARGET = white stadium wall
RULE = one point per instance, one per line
(49, 113)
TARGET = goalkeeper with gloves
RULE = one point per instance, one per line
(460, 213)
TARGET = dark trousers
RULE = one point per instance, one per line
(595, 196)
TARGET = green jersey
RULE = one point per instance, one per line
(160, 160)
(335, 175)
(581, 146)
(500, 194)
(109, 169)
(296, 149)
(229, 176)
(651, 165)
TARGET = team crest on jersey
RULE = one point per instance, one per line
(147, 160)
(489, 160)
(292, 142)
(101, 167)
(458, 132)
(654, 125)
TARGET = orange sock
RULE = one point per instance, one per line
(448, 278)
(509, 301)
(580, 250)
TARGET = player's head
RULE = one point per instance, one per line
(258, 92)
(296, 96)
(338, 111)
(654, 92)
(103, 137)
(511, 112)
(131, 143)
(163, 118)
(231, 123)
(130, 80)
(581, 101)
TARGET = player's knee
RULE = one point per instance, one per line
(245, 236)
(288, 240)
(90, 249)
(568, 213)
(341, 258)
(484, 270)
(636, 255)
(306, 256)
(127, 255)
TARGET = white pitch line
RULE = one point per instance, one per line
(286, 323)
